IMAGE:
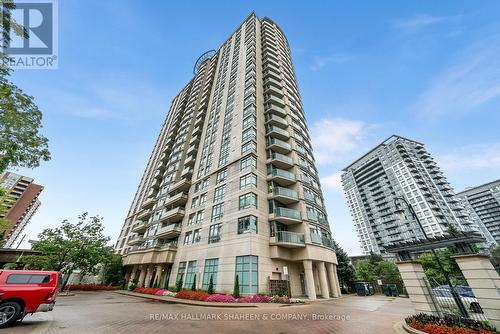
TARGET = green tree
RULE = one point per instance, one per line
(4, 208)
(113, 271)
(21, 143)
(495, 257)
(193, 286)
(236, 289)
(433, 272)
(80, 246)
(211, 285)
(364, 271)
(345, 270)
(388, 272)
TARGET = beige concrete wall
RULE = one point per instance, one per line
(413, 276)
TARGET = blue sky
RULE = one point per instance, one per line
(426, 70)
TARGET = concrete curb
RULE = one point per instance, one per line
(172, 300)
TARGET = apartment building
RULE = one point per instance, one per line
(400, 167)
(22, 203)
(483, 203)
(231, 189)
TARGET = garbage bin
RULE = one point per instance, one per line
(363, 288)
(386, 289)
(393, 290)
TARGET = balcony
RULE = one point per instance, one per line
(140, 227)
(286, 216)
(280, 160)
(288, 239)
(192, 150)
(172, 216)
(279, 133)
(144, 215)
(135, 240)
(282, 177)
(275, 100)
(194, 140)
(169, 231)
(196, 131)
(182, 185)
(187, 172)
(176, 200)
(278, 145)
(276, 121)
(148, 203)
(272, 90)
(276, 110)
(284, 195)
(190, 160)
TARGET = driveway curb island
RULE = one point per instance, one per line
(173, 300)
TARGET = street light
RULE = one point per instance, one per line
(400, 215)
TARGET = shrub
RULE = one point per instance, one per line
(193, 286)
(211, 286)
(178, 285)
(220, 298)
(236, 290)
(148, 291)
(192, 295)
(89, 287)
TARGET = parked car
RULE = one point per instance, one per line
(462, 290)
(26, 292)
(445, 299)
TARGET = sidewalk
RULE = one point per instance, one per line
(173, 300)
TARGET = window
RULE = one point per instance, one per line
(247, 162)
(248, 147)
(247, 224)
(214, 233)
(217, 211)
(248, 201)
(211, 268)
(180, 271)
(188, 238)
(203, 198)
(205, 183)
(248, 180)
(28, 279)
(219, 193)
(191, 272)
(247, 273)
(197, 235)
(249, 121)
(248, 134)
(194, 202)
(191, 219)
(200, 215)
(221, 176)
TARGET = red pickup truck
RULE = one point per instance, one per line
(26, 291)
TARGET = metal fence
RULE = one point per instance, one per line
(447, 304)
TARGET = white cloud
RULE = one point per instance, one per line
(470, 82)
(422, 21)
(331, 137)
(481, 156)
(332, 181)
(320, 62)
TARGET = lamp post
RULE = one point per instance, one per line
(400, 214)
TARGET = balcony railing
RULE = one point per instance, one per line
(290, 237)
(282, 174)
(280, 191)
(278, 145)
(287, 213)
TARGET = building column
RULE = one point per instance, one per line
(323, 282)
(159, 272)
(413, 277)
(332, 279)
(142, 276)
(309, 276)
(149, 273)
(132, 274)
(484, 282)
(337, 281)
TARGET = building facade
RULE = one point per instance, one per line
(399, 167)
(231, 189)
(483, 203)
(21, 204)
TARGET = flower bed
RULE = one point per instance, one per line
(448, 325)
(89, 287)
(217, 297)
